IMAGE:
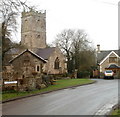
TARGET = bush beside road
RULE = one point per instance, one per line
(59, 84)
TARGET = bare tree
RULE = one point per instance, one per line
(9, 12)
(64, 42)
(76, 47)
(79, 44)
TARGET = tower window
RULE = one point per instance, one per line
(38, 36)
(25, 19)
(56, 63)
(38, 20)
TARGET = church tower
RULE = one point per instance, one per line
(33, 30)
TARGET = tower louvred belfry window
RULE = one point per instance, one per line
(38, 36)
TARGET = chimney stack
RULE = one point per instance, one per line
(98, 48)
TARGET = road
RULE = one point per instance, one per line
(82, 100)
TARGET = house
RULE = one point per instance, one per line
(26, 69)
(108, 59)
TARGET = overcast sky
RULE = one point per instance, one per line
(99, 18)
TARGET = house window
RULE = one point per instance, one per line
(56, 63)
(112, 59)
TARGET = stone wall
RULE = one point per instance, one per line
(33, 32)
(49, 66)
(27, 70)
(106, 63)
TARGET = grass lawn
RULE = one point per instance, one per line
(116, 112)
(58, 85)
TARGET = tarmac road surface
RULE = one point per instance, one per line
(82, 100)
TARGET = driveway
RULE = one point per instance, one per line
(83, 100)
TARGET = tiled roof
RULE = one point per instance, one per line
(14, 51)
(45, 53)
(42, 53)
(113, 66)
(103, 54)
(39, 57)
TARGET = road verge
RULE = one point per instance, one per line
(107, 108)
(114, 110)
(16, 98)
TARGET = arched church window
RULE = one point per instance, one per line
(56, 63)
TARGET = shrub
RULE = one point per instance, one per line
(65, 75)
(119, 74)
(101, 75)
(60, 76)
(83, 74)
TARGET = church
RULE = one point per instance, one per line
(29, 63)
(33, 37)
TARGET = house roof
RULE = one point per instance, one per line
(103, 54)
(34, 54)
(41, 53)
(113, 66)
(45, 53)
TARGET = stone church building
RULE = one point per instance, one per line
(37, 58)
(33, 37)
(33, 30)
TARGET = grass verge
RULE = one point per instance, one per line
(58, 85)
(116, 112)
